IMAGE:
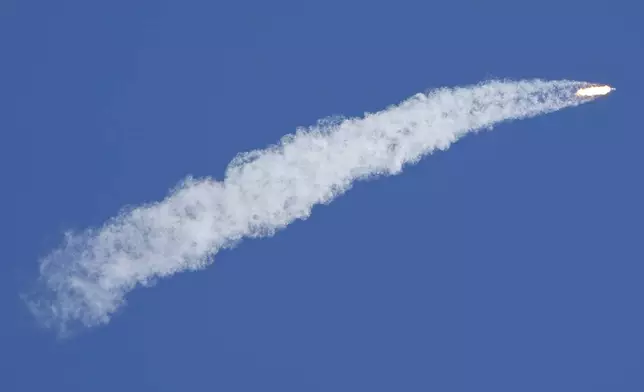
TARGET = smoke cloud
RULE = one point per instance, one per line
(85, 281)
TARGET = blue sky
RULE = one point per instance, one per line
(511, 262)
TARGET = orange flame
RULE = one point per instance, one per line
(594, 91)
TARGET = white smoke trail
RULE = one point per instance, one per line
(85, 281)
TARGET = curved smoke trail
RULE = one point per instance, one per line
(86, 280)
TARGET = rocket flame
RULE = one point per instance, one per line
(594, 91)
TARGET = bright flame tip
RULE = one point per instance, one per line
(594, 91)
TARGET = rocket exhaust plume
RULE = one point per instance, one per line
(85, 281)
(594, 91)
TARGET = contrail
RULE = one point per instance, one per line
(85, 281)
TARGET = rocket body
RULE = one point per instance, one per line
(594, 91)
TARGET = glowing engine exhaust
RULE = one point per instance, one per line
(594, 91)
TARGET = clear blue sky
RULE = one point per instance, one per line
(512, 262)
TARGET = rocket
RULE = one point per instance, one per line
(593, 91)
